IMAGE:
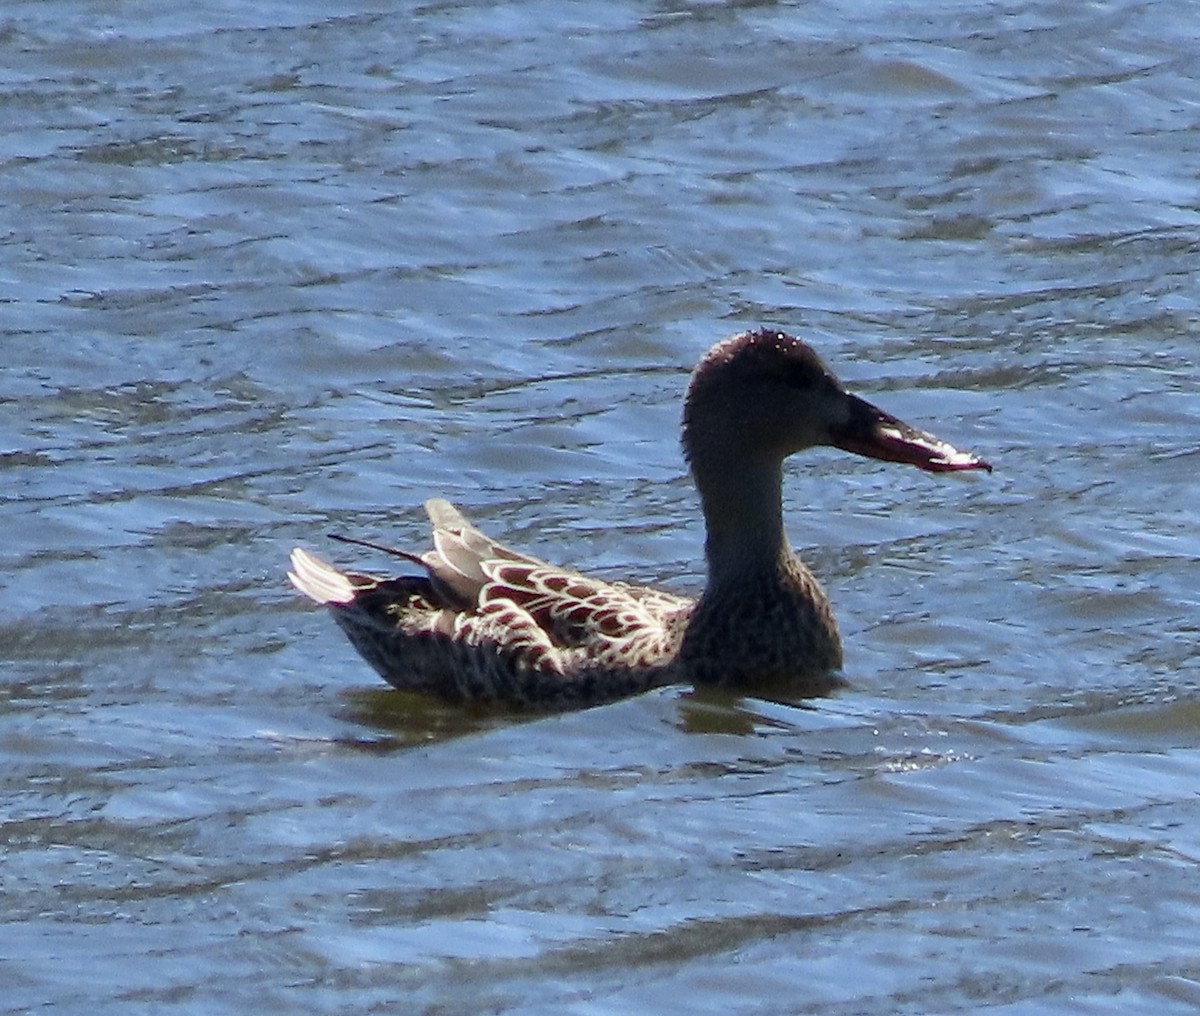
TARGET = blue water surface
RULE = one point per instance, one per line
(277, 269)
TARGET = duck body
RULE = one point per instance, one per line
(483, 623)
(488, 624)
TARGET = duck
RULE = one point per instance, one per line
(478, 622)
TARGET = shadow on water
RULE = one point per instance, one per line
(729, 711)
(396, 721)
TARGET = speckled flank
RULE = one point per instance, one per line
(486, 623)
(521, 644)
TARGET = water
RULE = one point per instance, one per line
(269, 271)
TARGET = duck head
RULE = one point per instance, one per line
(762, 396)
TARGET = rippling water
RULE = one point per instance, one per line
(269, 271)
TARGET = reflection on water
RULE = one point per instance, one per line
(400, 720)
(271, 272)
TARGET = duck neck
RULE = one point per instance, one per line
(743, 515)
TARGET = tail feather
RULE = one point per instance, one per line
(319, 581)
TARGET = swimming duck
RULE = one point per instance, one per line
(481, 622)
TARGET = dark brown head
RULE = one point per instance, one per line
(765, 395)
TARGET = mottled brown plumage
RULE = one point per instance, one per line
(486, 623)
